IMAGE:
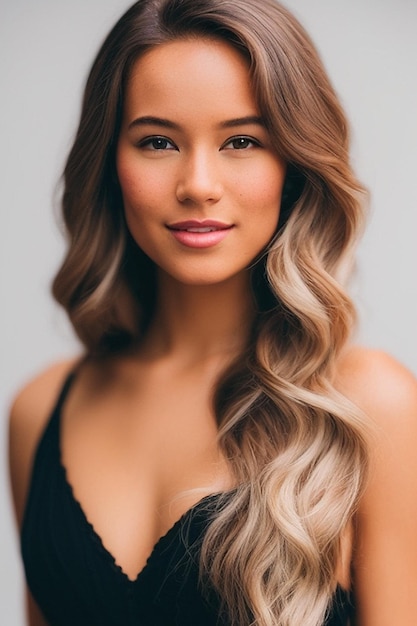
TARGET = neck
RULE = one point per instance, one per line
(201, 321)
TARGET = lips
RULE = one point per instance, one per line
(200, 234)
(196, 226)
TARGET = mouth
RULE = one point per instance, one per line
(195, 226)
(200, 234)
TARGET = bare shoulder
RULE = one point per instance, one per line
(381, 386)
(38, 394)
(386, 392)
(28, 416)
(385, 561)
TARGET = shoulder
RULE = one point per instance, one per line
(385, 563)
(386, 392)
(29, 413)
(35, 400)
(383, 388)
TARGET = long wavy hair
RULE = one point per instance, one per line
(296, 447)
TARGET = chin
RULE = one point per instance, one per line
(200, 278)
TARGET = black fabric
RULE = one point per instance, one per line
(76, 581)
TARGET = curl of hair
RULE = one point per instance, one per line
(296, 447)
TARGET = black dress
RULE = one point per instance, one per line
(75, 580)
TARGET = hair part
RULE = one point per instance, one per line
(296, 447)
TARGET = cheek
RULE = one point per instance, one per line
(135, 200)
(140, 183)
(133, 184)
(142, 201)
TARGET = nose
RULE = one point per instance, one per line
(199, 179)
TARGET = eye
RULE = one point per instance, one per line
(241, 142)
(157, 143)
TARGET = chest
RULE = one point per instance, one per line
(138, 461)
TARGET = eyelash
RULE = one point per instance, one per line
(149, 142)
(251, 140)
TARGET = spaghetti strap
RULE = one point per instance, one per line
(48, 445)
(52, 426)
(65, 390)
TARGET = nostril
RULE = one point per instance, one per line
(194, 192)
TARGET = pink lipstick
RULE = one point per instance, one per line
(200, 234)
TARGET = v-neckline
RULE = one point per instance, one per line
(341, 596)
(97, 539)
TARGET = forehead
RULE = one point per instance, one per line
(198, 74)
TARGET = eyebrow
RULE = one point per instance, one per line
(243, 121)
(150, 120)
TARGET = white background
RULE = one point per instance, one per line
(46, 47)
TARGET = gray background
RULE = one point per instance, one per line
(370, 50)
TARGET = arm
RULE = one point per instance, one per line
(28, 417)
(385, 550)
(34, 616)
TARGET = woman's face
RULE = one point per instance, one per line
(200, 180)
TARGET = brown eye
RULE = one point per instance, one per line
(241, 143)
(157, 143)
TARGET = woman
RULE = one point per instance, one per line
(221, 454)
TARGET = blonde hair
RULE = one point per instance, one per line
(296, 447)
